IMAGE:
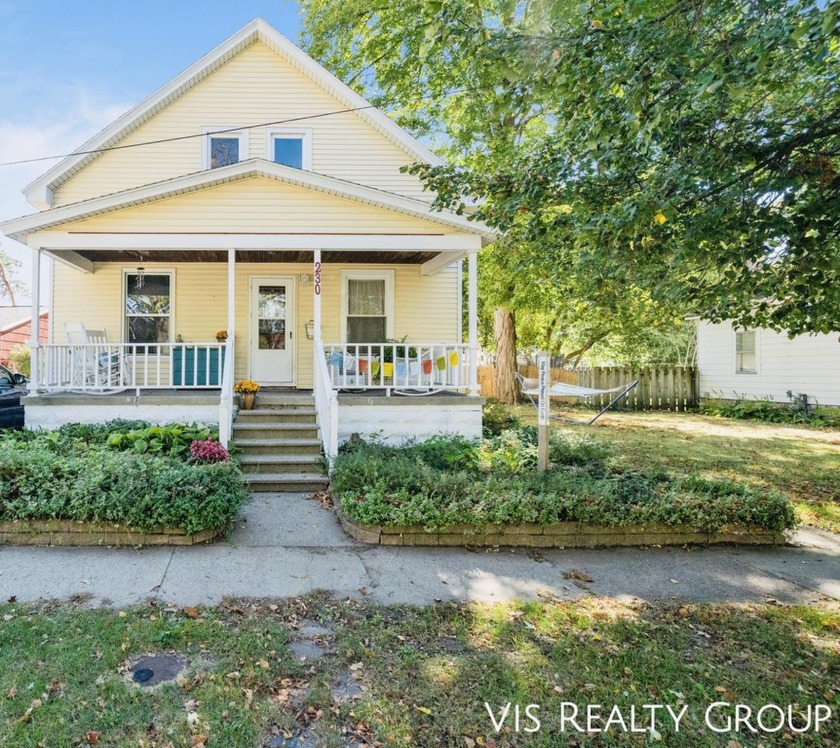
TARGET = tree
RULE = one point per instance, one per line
(9, 282)
(464, 104)
(693, 153)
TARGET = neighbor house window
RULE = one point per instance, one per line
(368, 306)
(148, 307)
(223, 147)
(289, 147)
(745, 352)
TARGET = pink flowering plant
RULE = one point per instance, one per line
(207, 451)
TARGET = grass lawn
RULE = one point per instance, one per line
(406, 676)
(802, 463)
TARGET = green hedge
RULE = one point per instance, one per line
(452, 481)
(96, 484)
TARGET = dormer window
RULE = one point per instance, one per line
(289, 147)
(223, 147)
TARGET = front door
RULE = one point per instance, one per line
(272, 325)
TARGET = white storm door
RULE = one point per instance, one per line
(272, 324)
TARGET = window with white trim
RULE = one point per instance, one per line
(148, 306)
(746, 359)
(289, 147)
(368, 308)
(223, 147)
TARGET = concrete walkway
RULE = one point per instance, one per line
(288, 545)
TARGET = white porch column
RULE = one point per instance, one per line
(34, 338)
(316, 284)
(231, 294)
(472, 313)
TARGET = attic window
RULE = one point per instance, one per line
(289, 147)
(223, 147)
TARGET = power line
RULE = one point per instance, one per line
(185, 137)
(174, 138)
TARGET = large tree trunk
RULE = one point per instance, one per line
(504, 332)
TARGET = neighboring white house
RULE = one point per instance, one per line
(762, 364)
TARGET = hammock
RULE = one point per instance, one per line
(531, 388)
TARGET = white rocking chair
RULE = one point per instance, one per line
(97, 368)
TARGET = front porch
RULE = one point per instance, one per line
(280, 312)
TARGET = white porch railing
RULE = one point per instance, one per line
(102, 367)
(326, 404)
(424, 367)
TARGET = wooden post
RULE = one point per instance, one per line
(542, 413)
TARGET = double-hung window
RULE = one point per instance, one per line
(223, 147)
(289, 147)
(148, 306)
(368, 306)
(746, 352)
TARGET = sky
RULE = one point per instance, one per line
(68, 69)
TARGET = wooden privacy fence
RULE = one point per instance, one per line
(660, 387)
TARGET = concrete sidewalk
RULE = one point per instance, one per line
(288, 545)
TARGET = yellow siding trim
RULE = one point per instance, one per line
(256, 205)
(256, 86)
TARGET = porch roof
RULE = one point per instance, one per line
(259, 256)
(23, 228)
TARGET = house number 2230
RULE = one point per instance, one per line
(317, 278)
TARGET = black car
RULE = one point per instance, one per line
(12, 388)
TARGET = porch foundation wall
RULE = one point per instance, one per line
(395, 420)
(51, 413)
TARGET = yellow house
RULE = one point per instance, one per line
(254, 196)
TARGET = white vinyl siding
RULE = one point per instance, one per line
(808, 364)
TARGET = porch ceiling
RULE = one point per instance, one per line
(208, 255)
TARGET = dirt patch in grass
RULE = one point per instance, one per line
(419, 676)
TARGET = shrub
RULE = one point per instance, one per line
(95, 484)
(772, 412)
(208, 451)
(19, 360)
(173, 439)
(494, 482)
(496, 418)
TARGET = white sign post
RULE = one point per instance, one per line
(542, 413)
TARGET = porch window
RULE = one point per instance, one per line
(148, 307)
(745, 352)
(289, 147)
(368, 306)
(223, 147)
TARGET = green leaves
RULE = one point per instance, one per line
(726, 112)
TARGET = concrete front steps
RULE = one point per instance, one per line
(279, 445)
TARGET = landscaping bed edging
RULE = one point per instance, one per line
(564, 535)
(65, 532)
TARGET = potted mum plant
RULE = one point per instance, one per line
(247, 389)
(221, 336)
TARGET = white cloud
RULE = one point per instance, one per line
(61, 123)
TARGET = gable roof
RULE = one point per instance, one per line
(40, 192)
(19, 228)
(15, 316)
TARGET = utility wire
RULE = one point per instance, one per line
(185, 137)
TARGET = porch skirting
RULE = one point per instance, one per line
(52, 411)
(395, 420)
